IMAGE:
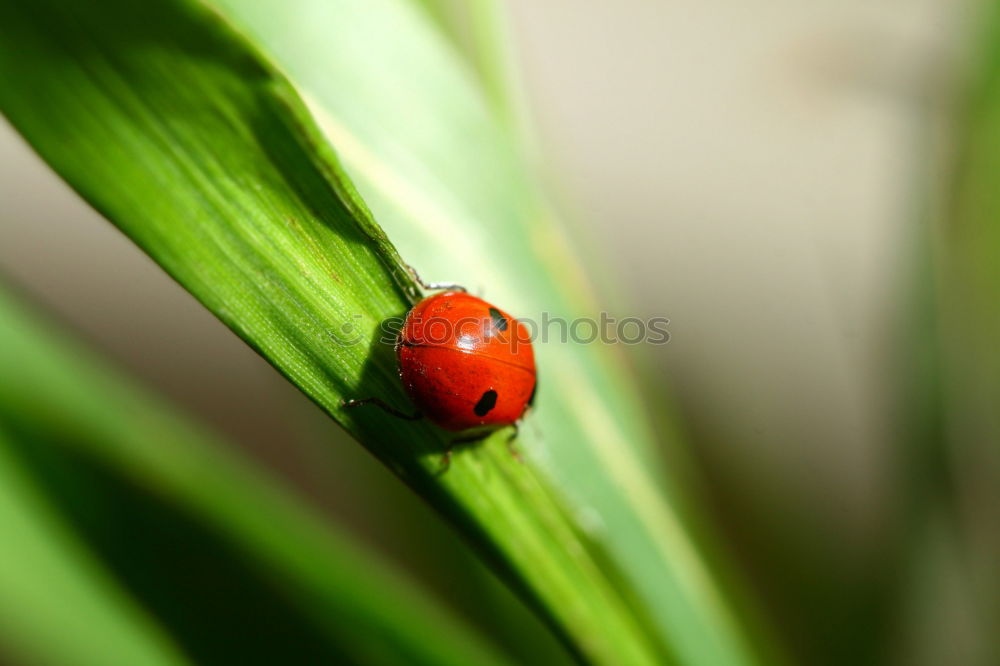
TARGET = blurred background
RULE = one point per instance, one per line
(762, 172)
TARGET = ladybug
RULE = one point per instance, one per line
(467, 366)
(464, 363)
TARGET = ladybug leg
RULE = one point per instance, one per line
(384, 406)
(446, 458)
(511, 442)
(434, 286)
(445, 461)
(453, 444)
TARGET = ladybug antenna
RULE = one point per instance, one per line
(434, 286)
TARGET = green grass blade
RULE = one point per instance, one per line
(233, 568)
(422, 139)
(969, 240)
(177, 130)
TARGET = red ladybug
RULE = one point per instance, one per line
(465, 364)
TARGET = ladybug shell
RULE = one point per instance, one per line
(464, 363)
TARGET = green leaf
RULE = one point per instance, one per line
(441, 170)
(182, 134)
(230, 566)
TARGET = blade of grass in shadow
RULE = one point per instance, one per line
(232, 567)
(947, 459)
(49, 581)
(176, 129)
(960, 452)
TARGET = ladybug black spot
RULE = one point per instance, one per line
(486, 403)
(499, 321)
